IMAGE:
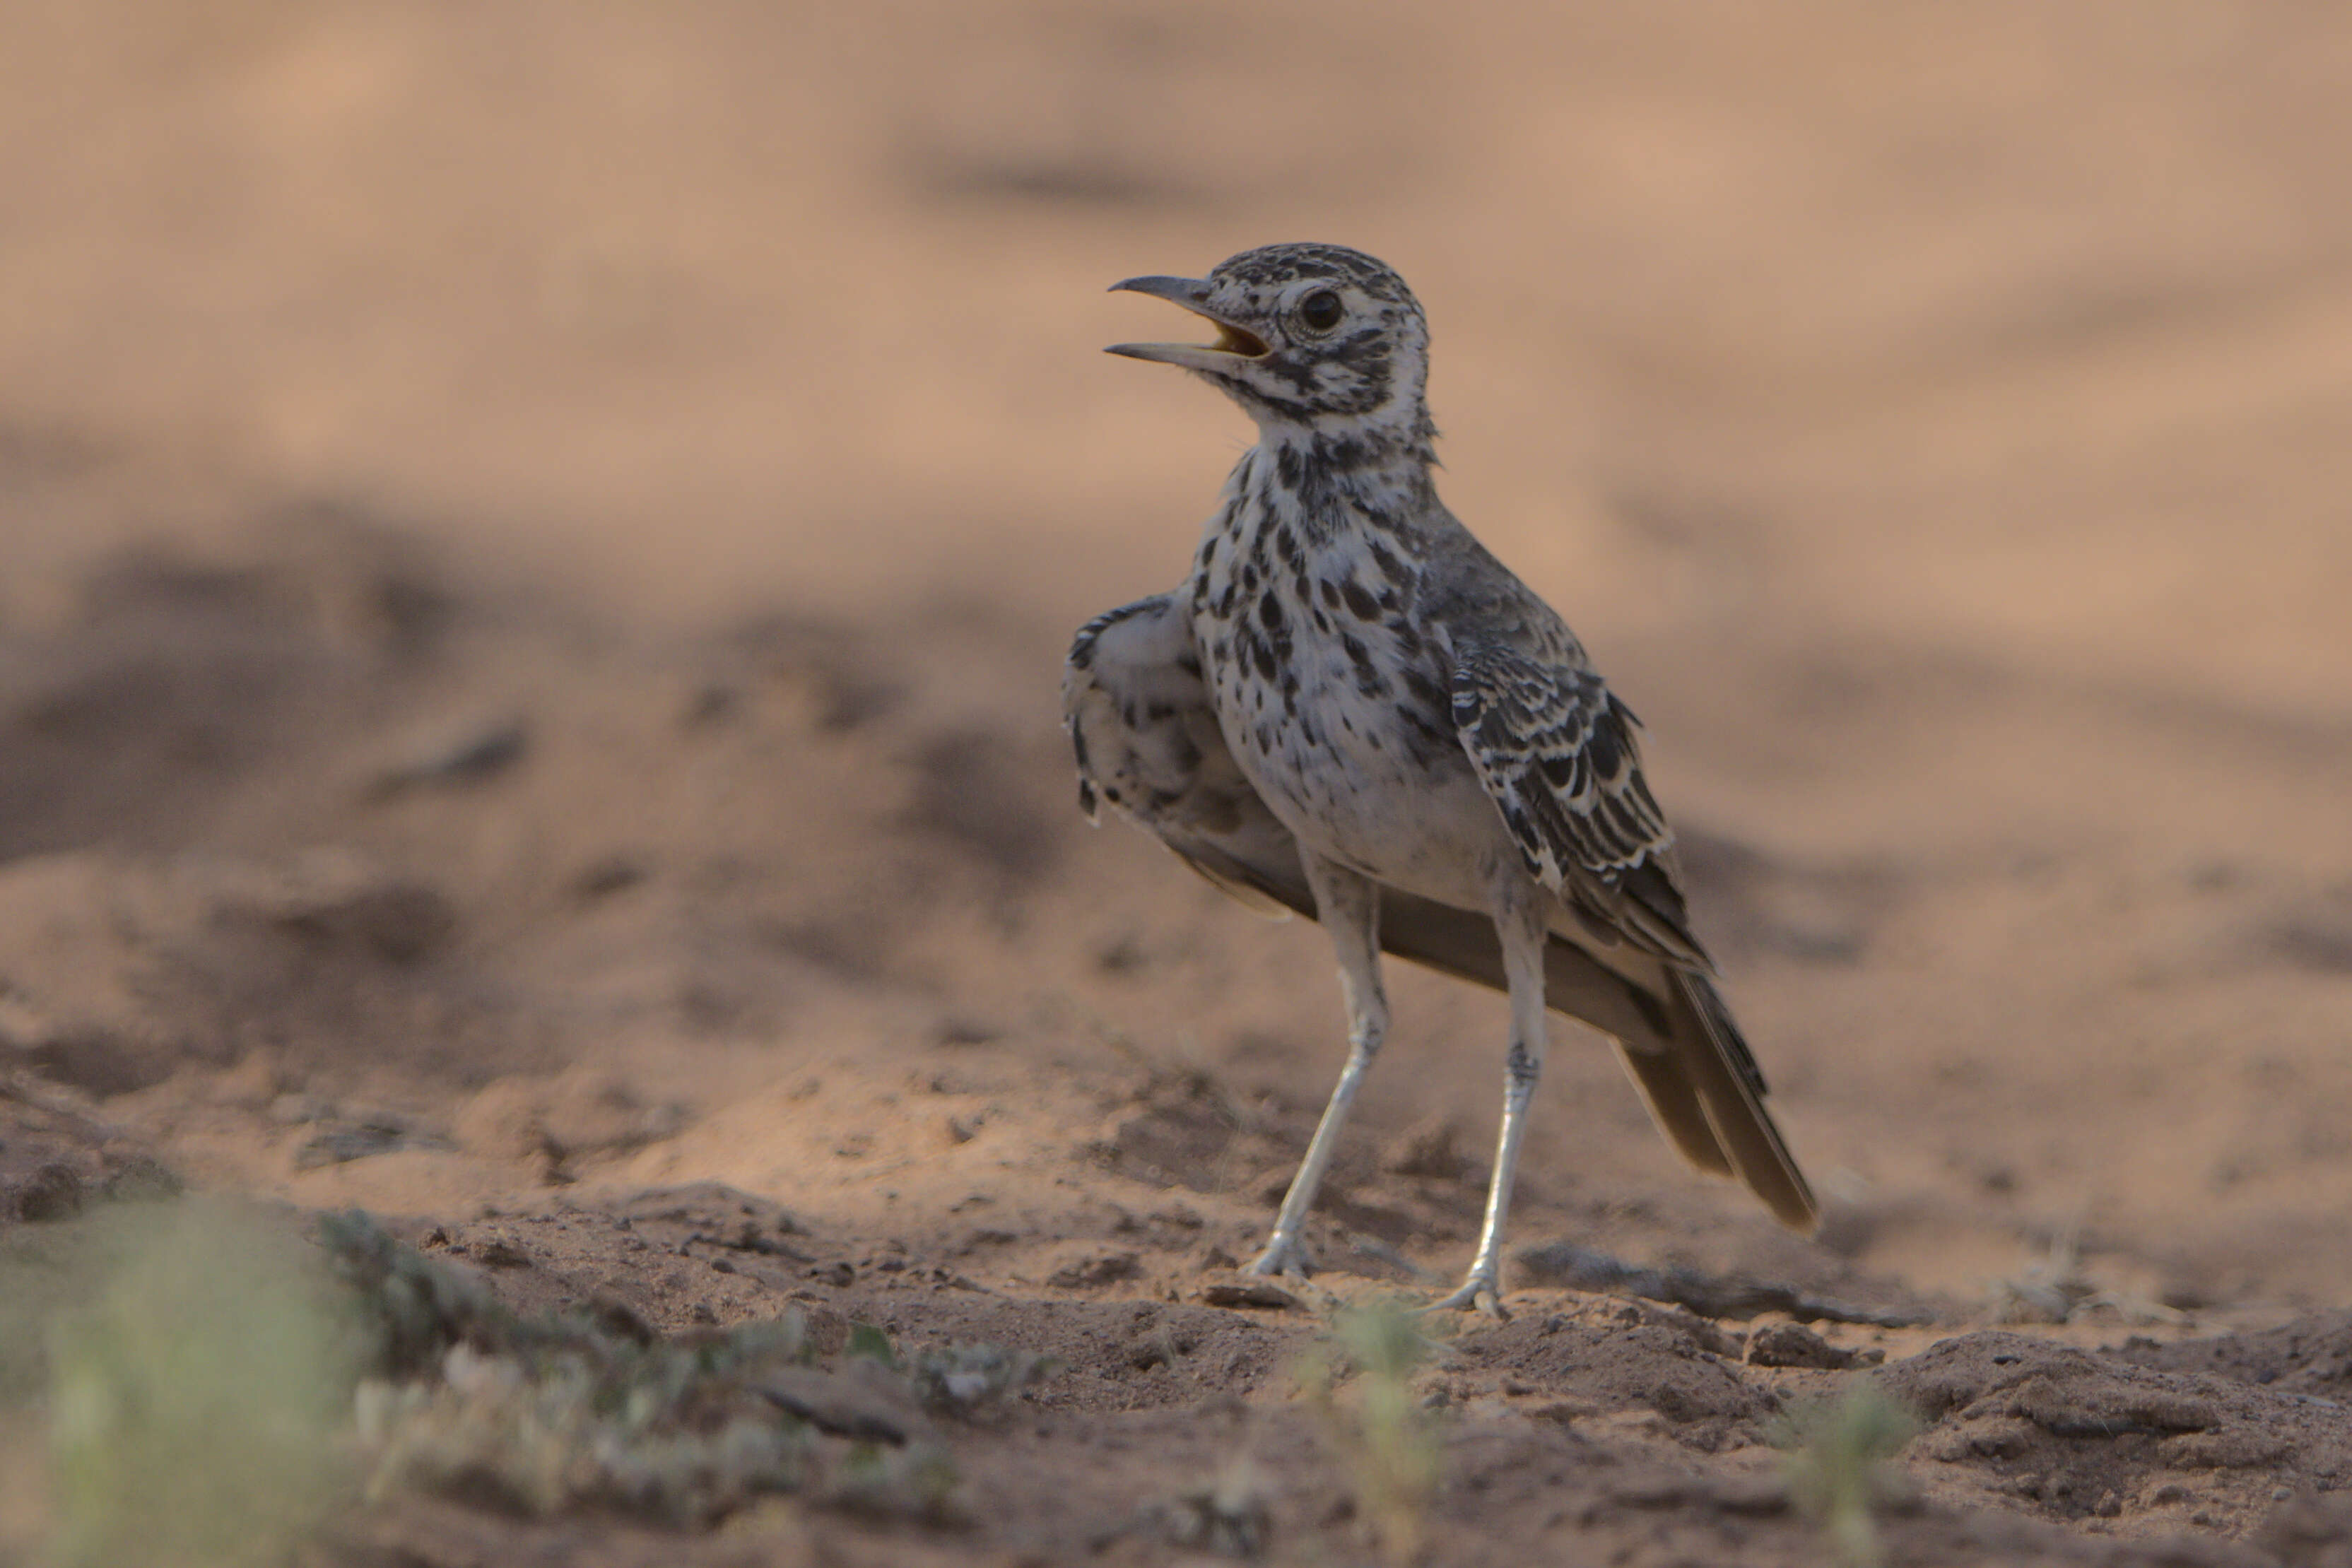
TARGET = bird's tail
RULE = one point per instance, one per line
(1707, 1096)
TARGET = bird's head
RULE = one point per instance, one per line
(1314, 336)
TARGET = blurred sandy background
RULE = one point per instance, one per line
(1937, 421)
(2008, 329)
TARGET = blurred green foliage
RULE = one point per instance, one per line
(1388, 1442)
(197, 1401)
(1837, 1462)
(215, 1385)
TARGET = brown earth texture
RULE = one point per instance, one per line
(555, 1005)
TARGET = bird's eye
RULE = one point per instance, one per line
(1321, 310)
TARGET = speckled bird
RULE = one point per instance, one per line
(1351, 710)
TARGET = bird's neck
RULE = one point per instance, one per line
(1367, 467)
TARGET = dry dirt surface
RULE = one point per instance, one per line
(538, 541)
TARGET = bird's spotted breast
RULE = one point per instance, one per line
(1330, 695)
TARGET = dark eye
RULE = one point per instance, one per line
(1321, 310)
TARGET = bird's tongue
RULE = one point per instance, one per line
(1232, 339)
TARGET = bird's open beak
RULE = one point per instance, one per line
(1234, 342)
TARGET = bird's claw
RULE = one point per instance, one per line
(1479, 1292)
(1283, 1257)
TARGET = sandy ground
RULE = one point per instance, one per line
(540, 540)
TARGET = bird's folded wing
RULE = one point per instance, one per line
(1558, 752)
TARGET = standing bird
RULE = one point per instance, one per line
(1351, 710)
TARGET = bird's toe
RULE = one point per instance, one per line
(1478, 1293)
(1283, 1257)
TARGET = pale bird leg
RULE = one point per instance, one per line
(1349, 906)
(1520, 922)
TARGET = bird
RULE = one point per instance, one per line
(1352, 711)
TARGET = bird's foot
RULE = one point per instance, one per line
(1285, 1257)
(1480, 1293)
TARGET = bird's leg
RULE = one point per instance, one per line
(1349, 906)
(1519, 922)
